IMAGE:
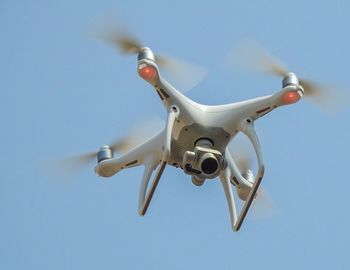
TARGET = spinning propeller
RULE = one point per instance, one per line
(72, 165)
(252, 56)
(263, 205)
(183, 74)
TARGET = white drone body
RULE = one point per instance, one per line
(195, 139)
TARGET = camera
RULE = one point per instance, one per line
(203, 162)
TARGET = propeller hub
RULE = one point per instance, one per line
(290, 79)
(248, 174)
(146, 53)
(104, 153)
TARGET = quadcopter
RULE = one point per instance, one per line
(195, 138)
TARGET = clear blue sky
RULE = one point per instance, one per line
(63, 92)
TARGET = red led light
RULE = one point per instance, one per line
(148, 73)
(290, 97)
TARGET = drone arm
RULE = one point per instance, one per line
(132, 158)
(288, 95)
(253, 109)
(145, 199)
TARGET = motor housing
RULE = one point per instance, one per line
(104, 153)
(290, 79)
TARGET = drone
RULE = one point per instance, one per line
(196, 137)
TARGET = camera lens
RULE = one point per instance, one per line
(209, 165)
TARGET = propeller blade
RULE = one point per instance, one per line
(183, 74)
(263, 205)
(80, 160)
(242, 153)
(138, 135)
(243, 163)
(251, 55)
(318, 92)
(71, 165)
(117, 34)
(66, 168)
(128, 44)
(123, 41)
